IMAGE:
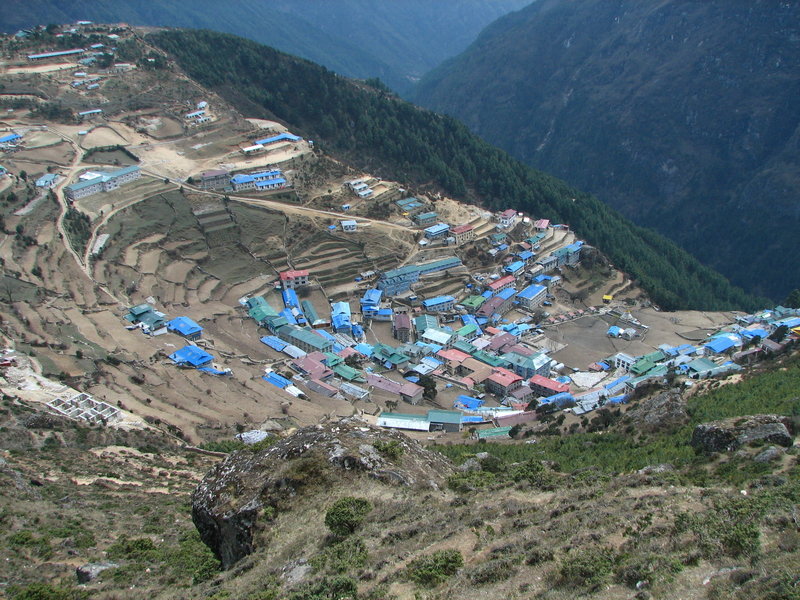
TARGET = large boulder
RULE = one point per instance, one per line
(663, 411)
(227, 504)
(730, 434)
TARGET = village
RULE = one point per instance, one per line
(482, 324)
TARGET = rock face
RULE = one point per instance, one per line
(730, 434)
(228, 502)
(664, 411)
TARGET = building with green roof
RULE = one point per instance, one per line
(473, 303)
(306, 340)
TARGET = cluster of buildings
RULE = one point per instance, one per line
(262, 181)
(360, 188)
(199, 115)
(153, 322)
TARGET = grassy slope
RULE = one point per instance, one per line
(403, 142)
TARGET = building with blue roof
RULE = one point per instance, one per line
(107, 182)
(515, 268)
(10, 138)
(186, 327)
(532, 296)
(341, 317)
(526, 256)
(371, 302)
(191, 356)
(437, 231)
(396, 281)
(722, 343)
(48, 180)
(259, 180)
(383, 314)
(281, 137)
(614, 331)
(277, 380)
(439, 303)
(290, 299)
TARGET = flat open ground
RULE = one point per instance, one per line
(103, 135)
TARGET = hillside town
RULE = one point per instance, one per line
(486, 321)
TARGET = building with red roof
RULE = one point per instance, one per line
(502, 381)
(544, 386)
(463, 234)
(501, 284)
(292, 279)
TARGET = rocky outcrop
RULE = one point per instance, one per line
(664, 411)
(730, 434)
(90, 571)
(228, 503)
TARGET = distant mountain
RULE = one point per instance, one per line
(396, 41)
(397, 140)
(683, 115)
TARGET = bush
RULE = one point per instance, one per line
(45, 591)
(587, 567)
(346, 514)
(433, 569)
(335, 588)
(391, 449)
(538, 556)
(342, 556)
(141, 549)
(647, 567)
(492, 571)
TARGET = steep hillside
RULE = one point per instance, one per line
(682, 115)
(399, 141)
(346, 510)
(397, 42)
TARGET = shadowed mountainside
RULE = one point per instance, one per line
(682, 115)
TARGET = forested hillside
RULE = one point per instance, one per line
(682, 115)
(396, 41)
(398, 140)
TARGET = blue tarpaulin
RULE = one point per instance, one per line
(212, 371)
(277, 380)
(468, 402)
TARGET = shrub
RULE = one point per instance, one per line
(538, 556)
(647, 567)
(45, 591)
(391, 449)
(346, 514)
(142, 549)
(587, 567)
(342, 556)
(335, 588)
(730, 529)
(492, 571)
(432, 569)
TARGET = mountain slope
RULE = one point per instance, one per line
(682, 115)
(395, 41)
(403, 142)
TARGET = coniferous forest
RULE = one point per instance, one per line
(377, 131)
